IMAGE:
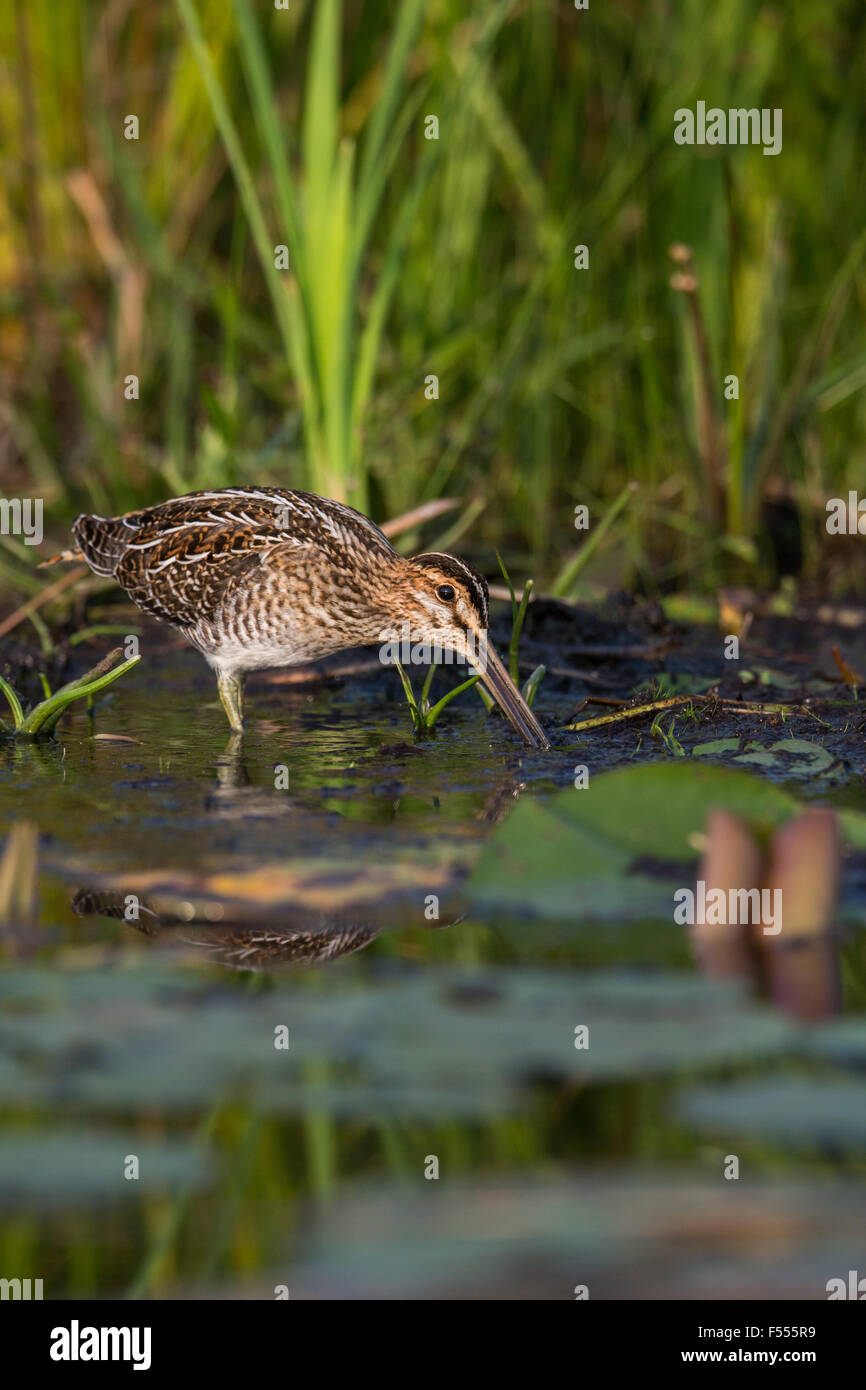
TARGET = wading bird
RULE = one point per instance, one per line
(258, 577)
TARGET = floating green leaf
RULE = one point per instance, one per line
(791, 1110)
(792, 757)
(447, 1042)
(60, 1167)
(585, 852)
(622, 1233)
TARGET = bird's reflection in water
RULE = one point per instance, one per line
(297, 937)
(231, 769)
(225, 934)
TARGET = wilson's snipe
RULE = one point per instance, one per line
(258, 577)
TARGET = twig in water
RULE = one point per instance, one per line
(707, 701)
(635, 712)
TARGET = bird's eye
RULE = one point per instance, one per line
(445, 592)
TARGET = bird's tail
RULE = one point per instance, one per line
(101, 540)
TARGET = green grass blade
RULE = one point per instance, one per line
(530, 689)
(408, 691)
(518, 616)
(514, 645)
(385, 106)
(240, 168)
(102, 630)
(425, 689)
(447, 698)
(377, 311)
(386, 132)
(334, 330)
(321, 114)
(563, 586)
(510, 586)
(14, 703)
(264, 101)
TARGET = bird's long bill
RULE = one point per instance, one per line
(497, 681)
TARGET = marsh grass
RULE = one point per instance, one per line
(324, 214)
(518, 617)
(453, 257)
(667, 734)
(424, 714)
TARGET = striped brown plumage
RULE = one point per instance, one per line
(258, 577)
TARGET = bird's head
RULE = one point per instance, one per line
(443, 606)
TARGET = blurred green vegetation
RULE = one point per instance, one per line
(411, 257)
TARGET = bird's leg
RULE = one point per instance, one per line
(231, 690)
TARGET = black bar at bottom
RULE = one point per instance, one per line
(230, 1338)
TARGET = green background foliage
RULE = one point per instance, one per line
(453, 257)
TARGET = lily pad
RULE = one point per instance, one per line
(795, 756)
(827, 1112)
(763, 675)
(621, 1235)
(716, 747)
(445, 1042)
(655, 808)
(584, 854)
(59, 1167)
(843, 1041)
(535, 864)
(787, 757)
